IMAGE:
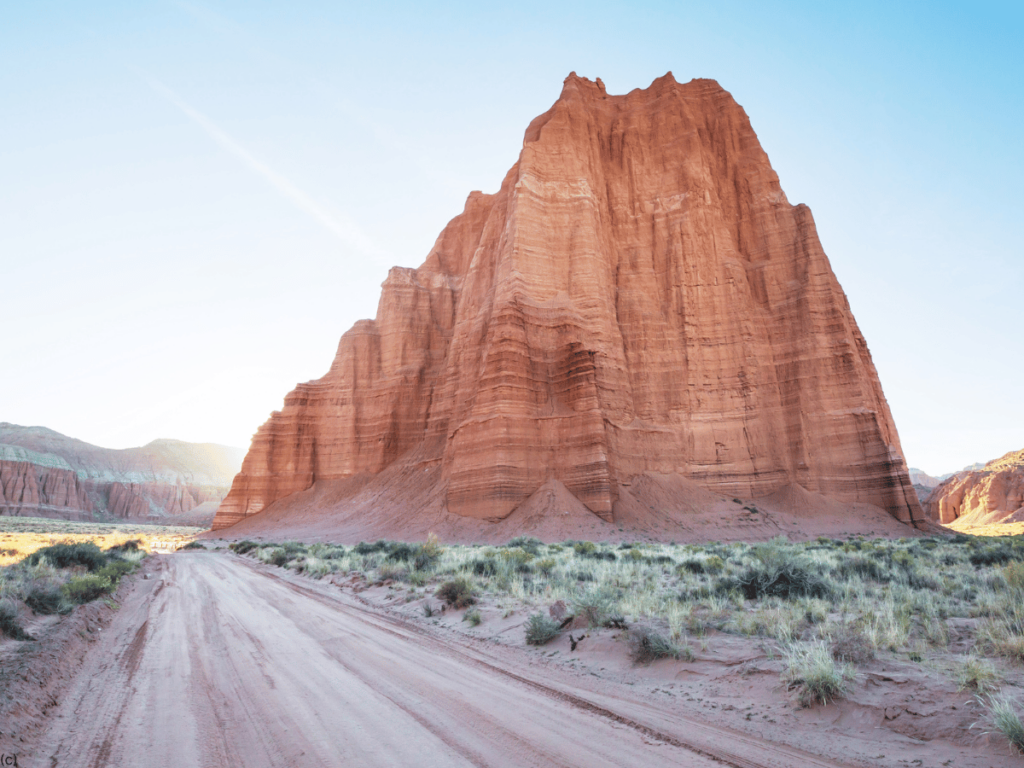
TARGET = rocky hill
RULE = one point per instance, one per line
(46, 474)
(975, 497)
(638, 306)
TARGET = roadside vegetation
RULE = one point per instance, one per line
(54, 579)
(825, 606)
(21, 536)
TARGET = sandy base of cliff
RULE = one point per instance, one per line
(407, 503)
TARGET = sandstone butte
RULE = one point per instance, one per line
(976, 497)
(638, 303)
(46, 474)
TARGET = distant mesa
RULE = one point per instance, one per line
(637, 307)
(981, 494)
(46, 474)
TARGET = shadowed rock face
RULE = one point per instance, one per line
(992, 494)
(639, 296)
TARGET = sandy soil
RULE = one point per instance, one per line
(217, 661)
(407, 501)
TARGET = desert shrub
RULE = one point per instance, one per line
(402, 552)
(600, 554)
(583, 547)
(85, 554)
(526, 543)
(85, 589)
(692, 565)
(594, 607)
(458, 593)
(546, 566)
(483, 567)
(1014, 575)
(849, 644)
(279, 557)
(1005, 719)
(779, 572)
(242, 547)
(862, 566)
(192, 545)
(428, 610)
(647, 644)
(393, 571)
(584, 576)
(134, 545)
(9, 624)
(363, 548)
(540, 629)
(921, 580)
(45, 598)
(995, 554)
(816, 676)
(977, 674)
(473, 617)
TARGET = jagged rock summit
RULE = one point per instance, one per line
(639, 298)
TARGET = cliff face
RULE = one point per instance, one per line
(638, 297)
(44, 473)
(992, 494)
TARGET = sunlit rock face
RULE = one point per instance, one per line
(638, 297)
(992, 494)
(46, 474)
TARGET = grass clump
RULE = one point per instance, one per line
(192, 545)
(243, 547)
(540, 629)
(457, 593)
(646, 644)
(816, 676)
(473, 617)
(1004, 718)
(978, 675)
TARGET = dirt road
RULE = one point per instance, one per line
(218, 662)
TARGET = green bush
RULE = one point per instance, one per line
(527, 543)
(85, 554)
(192, 545)
(647, 644)
(473, 617)
(132, 545)
(9, 622)
(781, 573)
(45, 599)
(85, 589)
(363, 548)
(242, 547)
(458, 593)
(540, 629)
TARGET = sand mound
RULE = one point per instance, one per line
(407, 502)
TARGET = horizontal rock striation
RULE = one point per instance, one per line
(639, 296)
(46, 474)
(992, 494)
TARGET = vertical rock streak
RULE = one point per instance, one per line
(639, 296)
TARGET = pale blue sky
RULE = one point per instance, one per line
(198, 199)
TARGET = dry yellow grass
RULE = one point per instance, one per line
(21, 536)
